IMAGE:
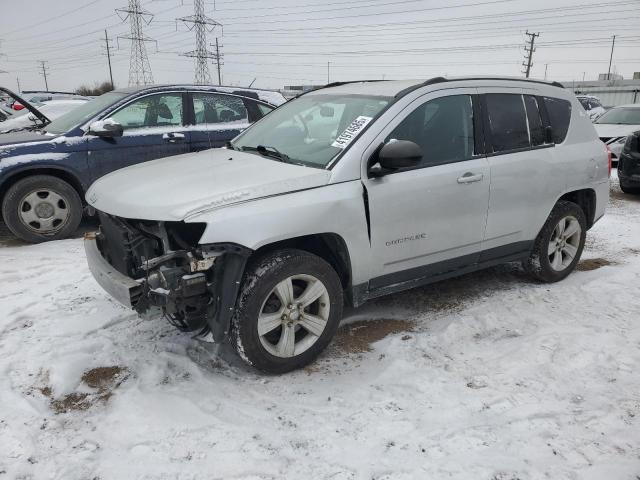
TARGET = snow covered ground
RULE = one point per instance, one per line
(489, 376)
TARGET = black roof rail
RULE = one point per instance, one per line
(410, 89)
(435, 80)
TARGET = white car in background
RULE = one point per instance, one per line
(592, 105)
(616, 124)
(25, 120)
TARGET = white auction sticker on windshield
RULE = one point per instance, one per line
(351, 132)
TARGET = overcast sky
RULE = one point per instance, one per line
(290, 42)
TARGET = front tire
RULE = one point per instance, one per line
(41, 208)
(288, 310)
(559, 245)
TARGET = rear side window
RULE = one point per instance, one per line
(507, 121)
(218, 108)
(536, 129)
(559, 115)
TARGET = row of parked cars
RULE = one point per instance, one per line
(343, 194)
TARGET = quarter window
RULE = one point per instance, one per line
(218, 108)
(507, 121)
(559, 116)
(536, 128)
(151, 111)
(442, 127)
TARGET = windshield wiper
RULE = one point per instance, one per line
(268, 151)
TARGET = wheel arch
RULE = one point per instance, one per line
(329, 246)
(586, 199)
(60, 173)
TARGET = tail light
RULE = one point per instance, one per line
(609, 154)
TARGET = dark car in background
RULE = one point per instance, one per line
(629, 164)
(45, 173)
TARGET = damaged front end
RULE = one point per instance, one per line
(150, 265)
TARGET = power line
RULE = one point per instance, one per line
(139, 67)
(200, 23)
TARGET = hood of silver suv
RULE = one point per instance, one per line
(173, 188)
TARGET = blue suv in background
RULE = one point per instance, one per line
(45, 170)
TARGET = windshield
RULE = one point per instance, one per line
(81, 114)
(621, 116)
(312, 129)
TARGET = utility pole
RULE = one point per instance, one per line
(139, 67)
(18, 82)
(546, 65)
(108, 46)
(328, 63)
(200, 23)
(529, 52)
(218, 58)
(613, 44)
(44, 73)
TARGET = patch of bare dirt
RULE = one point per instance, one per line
(620, 195)
(593, 264)
(357, 337)
(102, 380)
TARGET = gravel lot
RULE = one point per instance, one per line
(488, 376)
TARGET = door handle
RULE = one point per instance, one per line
(470, 178)
(173, 137)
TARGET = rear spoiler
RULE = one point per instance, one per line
(41, 116)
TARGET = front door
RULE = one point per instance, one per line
(430, 219)
(153, 128)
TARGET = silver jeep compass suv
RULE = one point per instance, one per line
(344, 194)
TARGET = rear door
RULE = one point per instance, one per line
(525, 177)
(154, 127)
(430, 220)
(219, 117)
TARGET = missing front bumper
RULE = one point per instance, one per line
(124, 289)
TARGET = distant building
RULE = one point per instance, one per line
(610, 92)
(610, 76)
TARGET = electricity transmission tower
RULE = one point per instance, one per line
(529, 53)
(200, 23)
(139, 67)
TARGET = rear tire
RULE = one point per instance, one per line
(630, 190)
(41, 208)
(559, 245)
(288, 310)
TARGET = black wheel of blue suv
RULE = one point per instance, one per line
(41, 208)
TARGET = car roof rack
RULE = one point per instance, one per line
(435, 80)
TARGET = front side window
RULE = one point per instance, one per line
(507, 121)
(312, 129)
(443, 128)
(163, 110)
(218, 108)
(559, 111)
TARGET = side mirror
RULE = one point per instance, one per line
(395, 155)
(108, 128)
